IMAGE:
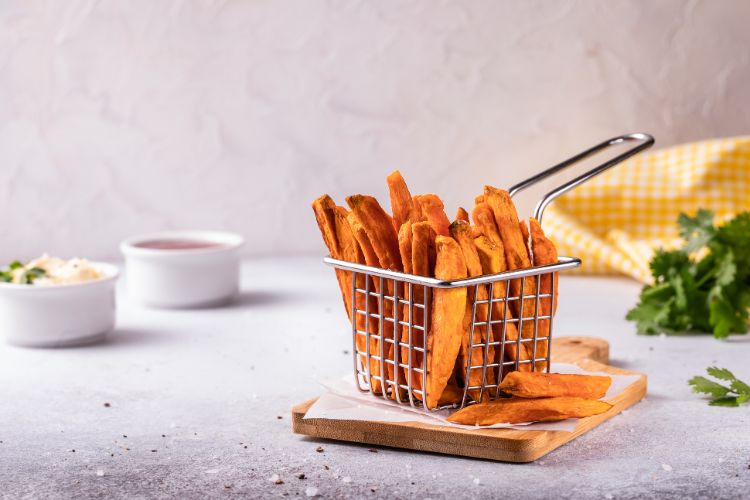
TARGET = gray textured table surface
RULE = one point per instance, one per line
(196, 404)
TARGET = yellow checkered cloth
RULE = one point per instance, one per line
(616, 220)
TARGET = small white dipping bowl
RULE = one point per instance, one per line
(183, 278)
(59, 315)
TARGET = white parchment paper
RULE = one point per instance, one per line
(343, 401)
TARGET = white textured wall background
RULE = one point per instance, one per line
(129, 116)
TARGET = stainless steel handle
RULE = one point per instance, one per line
(645, 141)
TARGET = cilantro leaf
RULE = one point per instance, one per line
(725, 401)
(706, 386)
(736, 394)
(29, 276)
(664, 262)
(710, 294)
(720, 373)
(696, 231)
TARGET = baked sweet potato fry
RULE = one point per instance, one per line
(342, 244)
(433, 209)
(452, 395)
(462, 214)
(484, 220)
(551, 385)
(371, 259)
(482, 335)
(404, 246)
(519, 410)
(402, 204)
(544, 253)
(493, 261)
(448, 309)
(405, 240)
(423, 264)
(516, 255)
(379, 228)
(384, 240)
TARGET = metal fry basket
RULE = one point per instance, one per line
(391, 314)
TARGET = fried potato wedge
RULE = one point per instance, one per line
(452, 395)
(462, 214)
(423, 255)
(525, 233)
(371, 259)
(379, 228)
(544, 253)
(405, 241)
(516, 255)
(448, 309)
(484, 220)
(520, 410)
(493, 261)
(402, 205)
(551, 385)
(404, 246)
(342, 244)
(433, 209)
(482, 335)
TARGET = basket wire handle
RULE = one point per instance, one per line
(645, 141)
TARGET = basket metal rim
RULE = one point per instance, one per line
(563, 263)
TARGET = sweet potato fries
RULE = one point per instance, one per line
(519, 411)
(441, 345)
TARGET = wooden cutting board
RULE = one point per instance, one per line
(508, 445)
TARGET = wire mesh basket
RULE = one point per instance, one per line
(509, 329)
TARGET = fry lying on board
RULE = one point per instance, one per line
(519, 411)
(550, 385)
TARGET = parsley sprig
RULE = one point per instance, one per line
(27, 277)
(710, 294)
(733, 394)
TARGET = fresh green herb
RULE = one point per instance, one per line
(733, 394)
(27, 277)
(710, 294)
(32, 274)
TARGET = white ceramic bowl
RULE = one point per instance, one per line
(59, 315)
(169, 278)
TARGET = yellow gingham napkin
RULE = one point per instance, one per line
(615, 221)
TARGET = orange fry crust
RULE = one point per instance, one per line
(448, 309)
(544, 253)
(519, 410)
(461, 232)
(433, 209)
(462, 214)
(493, 262)
(516, 255)
(551, 385)
(402, 204)
(342, 244)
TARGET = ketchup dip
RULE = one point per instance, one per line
(183, 269)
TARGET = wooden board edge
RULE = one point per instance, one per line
(508, 445)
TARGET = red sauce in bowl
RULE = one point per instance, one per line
(178, 244)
